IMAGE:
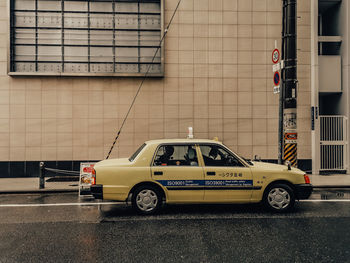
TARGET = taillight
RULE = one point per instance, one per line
(307, 179)
(93, 177)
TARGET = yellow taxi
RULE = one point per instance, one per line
(192, 171)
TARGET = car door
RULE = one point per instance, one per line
(227, 179)
(176, 167)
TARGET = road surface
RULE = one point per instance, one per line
(64, 228)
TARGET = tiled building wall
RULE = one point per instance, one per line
(218, 79)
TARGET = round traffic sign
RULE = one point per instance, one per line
(276, 78)
(275, 55)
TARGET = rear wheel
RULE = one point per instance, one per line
(146, 200)
(279, 198)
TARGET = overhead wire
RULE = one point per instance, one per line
(143, 79)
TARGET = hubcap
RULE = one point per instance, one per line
(146, 200)
(278, 198)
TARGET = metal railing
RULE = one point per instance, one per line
(333, 143)
(57, 172)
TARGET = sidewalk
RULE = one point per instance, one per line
(332, 180)
(31, 185)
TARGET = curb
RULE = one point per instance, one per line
(331, 186)
(48, 191)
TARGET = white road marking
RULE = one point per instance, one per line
(61, 204)
(325, 200)
(123, 203)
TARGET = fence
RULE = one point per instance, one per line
(333, 143)
(57, 172)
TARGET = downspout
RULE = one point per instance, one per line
(315, 124)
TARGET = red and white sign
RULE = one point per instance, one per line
(85, 179)
(290, 137)
(275, 56)
(276, 78)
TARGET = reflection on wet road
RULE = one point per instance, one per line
(19, 208)
(330, 194)
(57, 228)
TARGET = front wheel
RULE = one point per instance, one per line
(279, 198)
(146, 200)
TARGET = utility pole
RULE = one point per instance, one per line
(288, 95)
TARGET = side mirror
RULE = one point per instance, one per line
(288, 165)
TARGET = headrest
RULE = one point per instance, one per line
(213, 152)
(191, 153)
(169, 150)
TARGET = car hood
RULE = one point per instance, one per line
(112, 162)
(273, 166)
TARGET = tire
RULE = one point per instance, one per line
(279, 198)
(146, 200)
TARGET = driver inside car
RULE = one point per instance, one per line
(215, 157)
(166, 157)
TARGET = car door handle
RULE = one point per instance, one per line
(211, 173)
(158, 173)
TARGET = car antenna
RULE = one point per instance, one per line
(143, 79)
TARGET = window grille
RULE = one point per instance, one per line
(85, 37)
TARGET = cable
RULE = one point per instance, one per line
(143, 80)
(63, 171)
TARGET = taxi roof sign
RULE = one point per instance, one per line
(190, 133)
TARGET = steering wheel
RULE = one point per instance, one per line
(229, 159)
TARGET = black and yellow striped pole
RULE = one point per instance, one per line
(289, 81)
(290, 153)
(290, 148)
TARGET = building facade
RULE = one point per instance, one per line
(329, 85)
(214, 73)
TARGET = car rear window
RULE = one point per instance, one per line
(137, 152)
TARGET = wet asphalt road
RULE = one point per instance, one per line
(60, 230)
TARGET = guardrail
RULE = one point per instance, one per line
(59, 172)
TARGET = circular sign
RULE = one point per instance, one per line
(275, 55)
(276, 78)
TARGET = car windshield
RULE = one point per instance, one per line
(245, 159)
(137, 152)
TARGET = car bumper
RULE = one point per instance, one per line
(97, 191)
(303, 191)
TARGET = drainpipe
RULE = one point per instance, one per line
(315, 124)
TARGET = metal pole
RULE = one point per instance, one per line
(290, 82)
(41, 175)
(281, 97)
(315, 121)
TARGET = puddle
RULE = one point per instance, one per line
(330, 194)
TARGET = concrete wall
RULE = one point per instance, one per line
(218, 79)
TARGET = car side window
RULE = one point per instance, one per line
(214, 155)
(176, 155)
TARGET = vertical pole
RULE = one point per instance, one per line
(290, 82)
(281, 97)
(315, 124)
(41, 175)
